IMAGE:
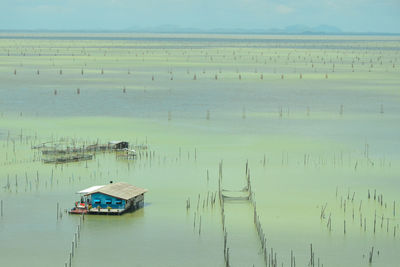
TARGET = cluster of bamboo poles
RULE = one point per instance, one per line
(28, 183)
(312, 258)
(75, 240)
(13, 140)
(324, 75)
(209, 200)
(146, 154)
(348, 202)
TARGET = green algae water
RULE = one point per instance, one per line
(316, 118)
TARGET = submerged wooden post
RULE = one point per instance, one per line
(394, 208)
(387, 225)
(371, 255)
(200, 226)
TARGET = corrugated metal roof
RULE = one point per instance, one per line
(120, 190)
(90, 189)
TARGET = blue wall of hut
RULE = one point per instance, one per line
(104, 201)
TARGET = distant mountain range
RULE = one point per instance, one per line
(293, 29)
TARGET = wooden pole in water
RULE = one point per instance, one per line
(387, 225)
(371, 254)
(200, 226)
(291, 258)
(365, 224)
(394, 208)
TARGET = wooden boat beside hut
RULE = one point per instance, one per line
(111, 199)
(126, 154)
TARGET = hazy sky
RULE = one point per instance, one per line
(348, 15)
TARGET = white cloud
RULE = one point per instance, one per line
(282, 9)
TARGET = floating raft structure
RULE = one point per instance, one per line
(63, 152)
(67, 159)
(59, 148)
(111, 199)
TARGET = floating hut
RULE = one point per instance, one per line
(113, 199)
(118, 145)
(110, 146)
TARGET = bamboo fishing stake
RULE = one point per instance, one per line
(387, 225)
(371, 255)
(200, 225)
(394, 208)
(365, 224)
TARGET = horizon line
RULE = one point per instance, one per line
(199, 31)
